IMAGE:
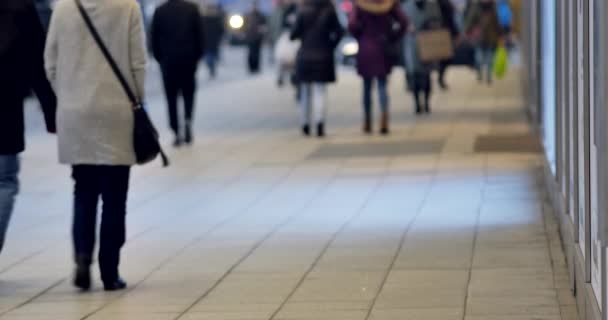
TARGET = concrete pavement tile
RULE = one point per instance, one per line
(417, 314)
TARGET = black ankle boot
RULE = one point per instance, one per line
(82, 275)
(188, 134)
(118, 284)
(306, 130)
(321, 129)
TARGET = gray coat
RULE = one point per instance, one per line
(94, 116)
(417, 18)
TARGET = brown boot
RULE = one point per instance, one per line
(367, 124)
(384, 123)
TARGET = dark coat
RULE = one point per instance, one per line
(447, 16)
(421, 18)
(21, 69)
(177, 34)
(376, 32)
(255, 27)
(213, 26)
(320, 31)
(484, 18)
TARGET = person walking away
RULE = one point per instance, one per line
(505, 19)
(378, 27)
(320, 31)
(177, 38)
(95, 121)
(483, 28)
(213, 27)
(448, 18)
(276, 23)
(21, 62)
(424, 15)
(288, 21)
(255, 32)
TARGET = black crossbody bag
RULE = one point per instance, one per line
(145, 137)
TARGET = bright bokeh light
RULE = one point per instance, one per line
(350, 49)
(237, 21)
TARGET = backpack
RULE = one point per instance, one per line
(505, 16)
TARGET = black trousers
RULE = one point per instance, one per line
(443, 66)
(179, 81)
(421, 85)
(111, 184)
(254, 56)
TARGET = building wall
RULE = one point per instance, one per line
(564, 46)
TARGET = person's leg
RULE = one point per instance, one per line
(115, 187)
(211, 59)
(383, 93)
(189, 92)
(171, 93)
(443, 66)
(86, 197)
(427, 89)
(258, 57)
(254, 57)
(479, 62)
(250, 58)
(319, 98)
(9, 187)
(305, 101)
(418, 89)
(367, 105)
(296, 84)
(384, 104)
(281, 76)
(489, 61)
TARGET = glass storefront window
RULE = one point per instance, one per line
(548, 81)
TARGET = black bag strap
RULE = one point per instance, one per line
(106, 53)
(121, 78)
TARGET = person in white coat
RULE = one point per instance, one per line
(95, 122)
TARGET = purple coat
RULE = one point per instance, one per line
(375, 32)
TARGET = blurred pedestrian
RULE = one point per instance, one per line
(177, 38)
(276, 23)
(21, 62)
(95, 121)
(483, 28)
(448, 20)
(424, 15)
(378, 26)
(320, 31)
(255, 32)
(288, 21)
(505, 19)
(213, 27)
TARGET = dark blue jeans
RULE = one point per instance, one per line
(111, 184)
(9, 187)
(368, 84)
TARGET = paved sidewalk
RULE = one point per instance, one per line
(445, 219)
